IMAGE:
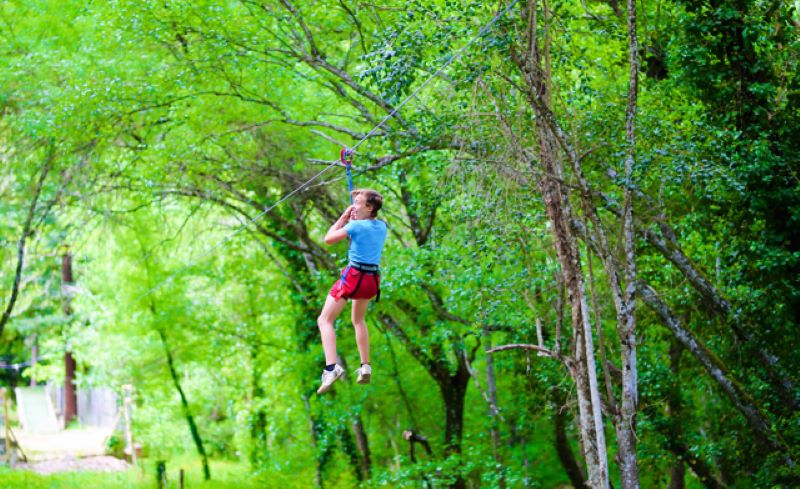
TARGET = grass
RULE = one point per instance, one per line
(225, 474)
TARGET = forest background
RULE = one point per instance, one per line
(611, 187)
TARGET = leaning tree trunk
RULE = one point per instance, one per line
(27, 229)
(735, 392)
(187, 413)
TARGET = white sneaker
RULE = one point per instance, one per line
(364, 374)
(328, 378)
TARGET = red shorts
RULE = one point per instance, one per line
(357, 285)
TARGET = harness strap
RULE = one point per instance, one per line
(365, 269)
(346, 157)
(355, 289)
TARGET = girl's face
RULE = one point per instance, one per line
(361, 210)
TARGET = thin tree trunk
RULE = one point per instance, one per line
(564, 451)
(258, 418)
(362, 444)
(351, 450)
(27, 228)
(70, 396)
(586, 420)
(356, 443)
(612, 402)
(674, 410)
(198, 442)
(626, 424)
(559, 212)
(594, 390)
(312, 428)
(491, 390)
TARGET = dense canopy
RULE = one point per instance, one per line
(592, 275)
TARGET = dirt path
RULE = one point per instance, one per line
(70, 464)
(75, 442)
(76, 449)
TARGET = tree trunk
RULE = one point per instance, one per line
(70, 396)
(453, 394)
(258, 418)
(585, 418)
(362, 444)
(564, 451)
(312, 427)
(453, 389)
(674, 410)
(34, 339)
(536, 77)
(356, 443)
(198, 442)
(559, 213)
(626, 424)
(27, 228)
(491, 388)
(351, 450)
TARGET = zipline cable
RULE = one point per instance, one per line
(344, 155)
(235, 232)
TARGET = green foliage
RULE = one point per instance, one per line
(172, 126)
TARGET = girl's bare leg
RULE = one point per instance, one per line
(360, 325)
(330, 312)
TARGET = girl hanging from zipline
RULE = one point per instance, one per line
(360, 280)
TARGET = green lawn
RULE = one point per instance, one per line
(224, 475)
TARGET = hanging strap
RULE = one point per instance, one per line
(346, 157)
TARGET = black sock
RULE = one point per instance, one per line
(330, 367)
(364, 364)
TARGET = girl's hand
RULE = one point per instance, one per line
(347, 215)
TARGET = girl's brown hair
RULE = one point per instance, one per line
(373, 199)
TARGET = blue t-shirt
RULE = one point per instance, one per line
(366, 240)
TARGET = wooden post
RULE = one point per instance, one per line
(70, 396)
(127, 392)
(161, 474)
(34, 355)
(6, 426)
(180, 480)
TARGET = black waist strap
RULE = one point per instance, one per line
(365, 267)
